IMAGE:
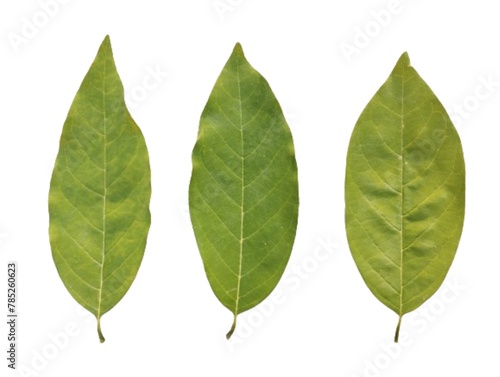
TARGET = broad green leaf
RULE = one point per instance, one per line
(243, 194)
(404, 192)
(99, 192)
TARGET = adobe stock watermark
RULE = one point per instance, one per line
(363, 36)
(223, 7)
(293, 279)
(417, 322)
(184, 213)
(420, 150)
(484, 89)
(56, 343)
(32, 25)
(153, 78)
(290, 115)
(3, 237)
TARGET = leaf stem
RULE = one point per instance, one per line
(101, 337)
(233, 327)
(396, 336)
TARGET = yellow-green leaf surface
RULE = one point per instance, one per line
(243, 195)
(404, 192)
(99, 192)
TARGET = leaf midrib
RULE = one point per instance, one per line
(242, 212)
(103, 247)
(402, 196)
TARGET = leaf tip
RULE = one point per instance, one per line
(105, 46)
(238, 49)
(404, 59)
(106, 41)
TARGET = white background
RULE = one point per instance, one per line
(322, 320)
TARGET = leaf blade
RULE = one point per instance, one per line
(99, 192)
(404, 191)
(243, 167)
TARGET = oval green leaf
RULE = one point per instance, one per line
(404, 192)
(243, 194)
(99, 192)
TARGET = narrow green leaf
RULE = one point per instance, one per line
(99, 192)
(243, 195)
(404, 192)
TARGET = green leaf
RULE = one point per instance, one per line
(243, 194)
(404, 192)
(99, 192)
